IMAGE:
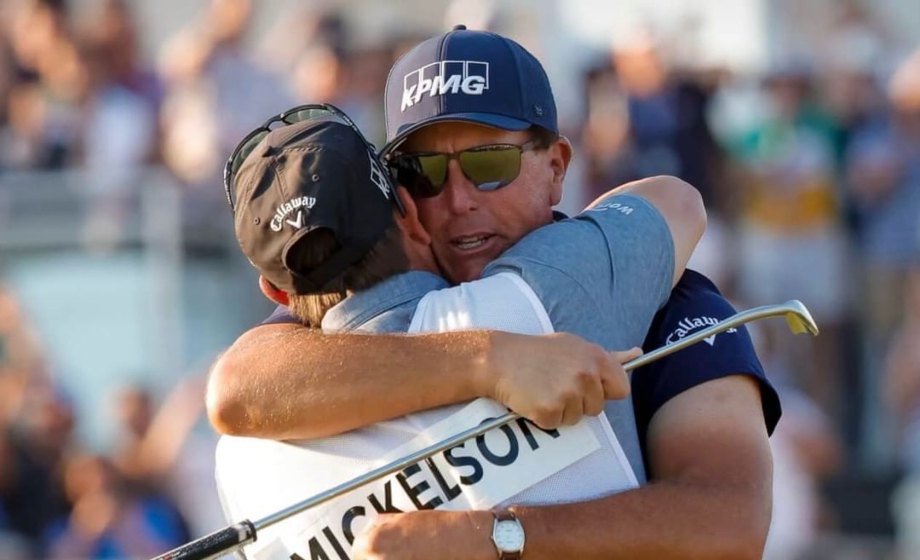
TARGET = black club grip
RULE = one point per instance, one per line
(213, 545)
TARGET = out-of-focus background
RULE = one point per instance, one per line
(120, 279)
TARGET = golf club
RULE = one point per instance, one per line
(239, 534)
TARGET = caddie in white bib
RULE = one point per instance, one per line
(479, 474)
(519, 463)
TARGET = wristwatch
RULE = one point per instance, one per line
(507, 535)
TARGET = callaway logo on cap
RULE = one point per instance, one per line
(472, 76)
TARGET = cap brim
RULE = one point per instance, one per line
(487, 119)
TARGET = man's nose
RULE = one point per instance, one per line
(460, 192)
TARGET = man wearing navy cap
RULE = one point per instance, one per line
(330, 242)
(703, 415)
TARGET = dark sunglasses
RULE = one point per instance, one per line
(301, 113)
(489, 167)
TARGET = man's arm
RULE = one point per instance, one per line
(710, 497)
(284, 381)
(710, 494)
(681, 206)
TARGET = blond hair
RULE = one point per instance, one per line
(386, 258)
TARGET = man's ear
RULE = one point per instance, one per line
(410, 224)
(271, 292)
(560, 156)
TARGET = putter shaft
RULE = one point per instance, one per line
(245, 532)
(793, 307)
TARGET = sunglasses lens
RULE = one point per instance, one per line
(246, 148)
(434, 169)
(422, 175)
(488, 167)
(313, 113)
(491, 168)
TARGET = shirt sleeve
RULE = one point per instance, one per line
(610, 265)
(281, 315)
(503, 302)
(696, 303)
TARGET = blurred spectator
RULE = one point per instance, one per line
(883, 175)
(902, 374)
(805, 451)
(38, 440)
(667, 116)
(318, 75)
(13, 545)
(851, 77)
(162, 457)
(294, 34)
(19, 357)
(6, 69)
(23, 139)
(216, 93)
(119, 121)
(607, 144)
(361, 95)
(111, 28)
(858, 45)
(644, 119)
(791, 244)
(149, 439)
(122, 100)
(108, 520)
(35, 425)
(322, 63)
(902, 380)
(50, 79)
(133, 415)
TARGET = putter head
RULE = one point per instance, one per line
(799, 319)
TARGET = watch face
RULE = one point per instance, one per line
(508, 536)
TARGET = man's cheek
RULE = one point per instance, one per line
(429, 214)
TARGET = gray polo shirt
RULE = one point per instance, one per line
(601, 275)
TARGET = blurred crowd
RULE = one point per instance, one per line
(810, 170)
(60, 499)
(811, 175)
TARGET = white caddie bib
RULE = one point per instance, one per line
(478, 474)
(519, 463)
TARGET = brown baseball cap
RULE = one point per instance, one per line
(302, 177)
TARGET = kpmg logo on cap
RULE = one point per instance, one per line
(447, 76)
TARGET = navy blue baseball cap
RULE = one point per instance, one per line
(470, 76)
